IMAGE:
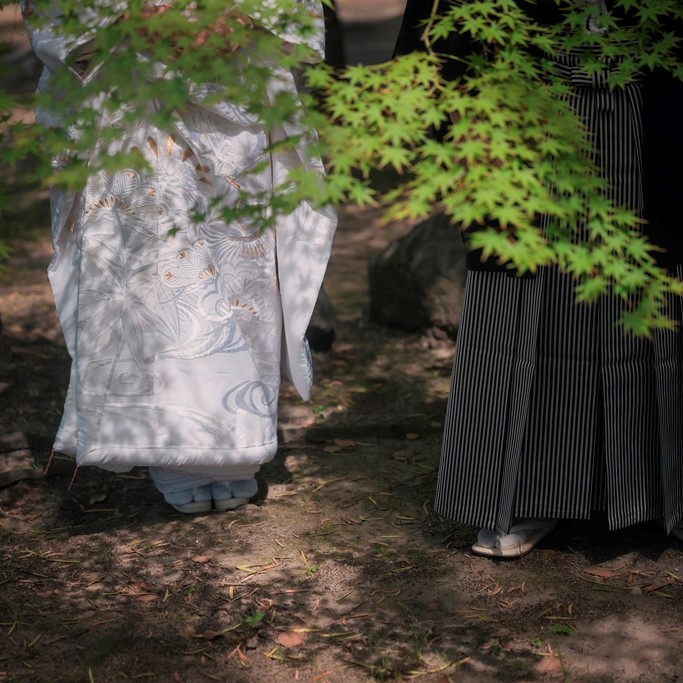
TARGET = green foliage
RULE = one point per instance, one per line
(513, 151)
(255, 619)
(563, 629)
(149, 66)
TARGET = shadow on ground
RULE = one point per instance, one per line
(338, 572)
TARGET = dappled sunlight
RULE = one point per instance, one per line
(339, 557)
(340, 554)
(620, 660)
(338, 571)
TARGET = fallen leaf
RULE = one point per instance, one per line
(146, 597)
(291, 639)
(96, 498)
(546, 554)
(601, 572)
(412, 437)
(549, 665)
(201, 559)
(345, 443)
(323, 484)
(244, 660)
(14, 524)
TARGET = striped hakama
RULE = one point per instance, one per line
(554, 410)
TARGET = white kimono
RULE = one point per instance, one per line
(178, 328)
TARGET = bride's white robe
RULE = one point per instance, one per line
(179, 329)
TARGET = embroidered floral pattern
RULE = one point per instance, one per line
(165, 279)
(173, 311)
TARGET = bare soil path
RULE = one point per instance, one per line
(337, 572)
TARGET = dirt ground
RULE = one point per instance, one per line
(338, 572)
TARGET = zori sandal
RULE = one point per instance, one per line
(486, 539)
(524, 536)
(228, 495)
(190, 501)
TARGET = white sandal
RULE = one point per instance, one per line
(228, 495)
(524, 536)
(190, 501)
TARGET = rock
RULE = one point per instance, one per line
(11, 477)
(417, 282)
(16, 460)
(322, 329)
(15, 441)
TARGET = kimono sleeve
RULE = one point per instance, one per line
(270, 17)
(54, 47)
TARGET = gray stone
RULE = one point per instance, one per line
(15, 441)
(13, 476)
(322, 329)
(417, 282)
(16, 460)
